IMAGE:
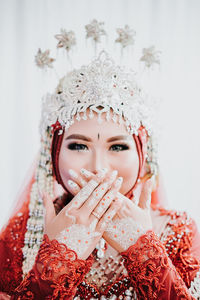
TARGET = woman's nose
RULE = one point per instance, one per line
(98, 162)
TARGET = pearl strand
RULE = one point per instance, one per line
(35, 224)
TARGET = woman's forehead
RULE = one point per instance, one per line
(93, 128)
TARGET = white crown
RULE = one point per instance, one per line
(99, 87)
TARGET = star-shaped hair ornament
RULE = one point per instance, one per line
(151, 56)
(126, 36)
(43, 60)
(95, 30)
(66, 39)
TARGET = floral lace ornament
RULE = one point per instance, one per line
(124, 231)
(145, 262)
(179, 235)
(195, 286)
(78, 237)
(59, 266)
(13, 239)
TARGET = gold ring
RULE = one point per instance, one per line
(95, 214)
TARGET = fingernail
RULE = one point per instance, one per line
(113, 174)
(118, 182)
(101, 173)
(85, 173)
(73, 174)
(73, 185)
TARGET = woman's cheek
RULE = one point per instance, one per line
(128, 170)
(126, 163)
(73, 160)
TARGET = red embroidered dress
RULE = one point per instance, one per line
(155, 267)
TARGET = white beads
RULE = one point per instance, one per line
(35, 224)
(101, 248)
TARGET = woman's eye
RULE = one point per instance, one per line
(119, 147)
(77, 147)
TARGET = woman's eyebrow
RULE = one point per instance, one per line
(85, 138)
(78, 137)
(118, 137)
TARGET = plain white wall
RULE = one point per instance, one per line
(172, 25)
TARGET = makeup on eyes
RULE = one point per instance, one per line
(119, 147)
(77, 147)
(74, 146)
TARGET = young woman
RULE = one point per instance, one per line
(107, 234)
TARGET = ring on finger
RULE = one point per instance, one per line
(95, 214)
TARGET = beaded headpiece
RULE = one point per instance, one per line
(99, 87)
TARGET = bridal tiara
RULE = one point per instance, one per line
(99, 86)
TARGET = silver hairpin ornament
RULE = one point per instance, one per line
(66, 39)
(95, 30)
(151, 56)
(43, 60)
(126, 36)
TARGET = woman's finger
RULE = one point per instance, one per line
(86, 174)
(103, 205)
(98, 193)
(73, 187)
(110, 213)
(145, 197)
(137, 193)
(50, 212)
(78, 181)
(77, 178)
(84, 193)
(89, 175)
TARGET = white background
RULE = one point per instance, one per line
(172, 25)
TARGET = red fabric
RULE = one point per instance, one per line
(55, 151)
(152, 273)
(56, 273)
(156, 270)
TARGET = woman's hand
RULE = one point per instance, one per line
(131, 220)
(81, 223)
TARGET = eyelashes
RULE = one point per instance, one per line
(82, 147)
(119, 147)
(77, 147)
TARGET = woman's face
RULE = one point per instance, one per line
(93, 146)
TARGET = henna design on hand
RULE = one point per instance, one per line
(78, 237)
